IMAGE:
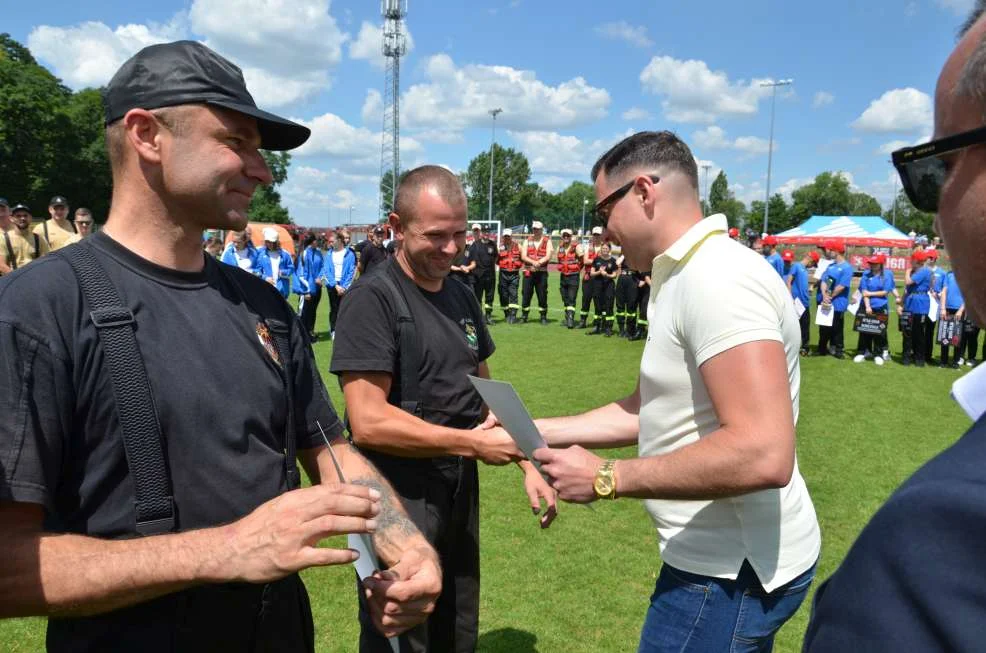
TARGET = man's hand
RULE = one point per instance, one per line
(572, 472)
(900, 309)
(340, 290)
(404, 595)
(537, 490)
(281, 536)
(489, 422)
(495, 447)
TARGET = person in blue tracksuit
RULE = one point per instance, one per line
(274, 264)
(917, 280)
(873, 286)
(796, 276)
(309, 281)
(769, 250)
(337, 276)
(241, 252)
(952, 306)
(835, 292)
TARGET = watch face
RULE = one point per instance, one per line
(603, 486)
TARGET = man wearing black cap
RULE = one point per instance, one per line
(372, 251)
(153, 504)
(58, 231)
(483, 253)
(19, 246)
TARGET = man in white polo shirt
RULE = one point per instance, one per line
(713, 414)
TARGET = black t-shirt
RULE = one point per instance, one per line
(218, 391)
(607, 265)
(453, 342)
(370, 255)
(484, 252)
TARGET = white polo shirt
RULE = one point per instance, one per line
(710, 294)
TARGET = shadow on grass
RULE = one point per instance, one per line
(508, 640)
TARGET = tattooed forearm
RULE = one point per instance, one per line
(394, 528)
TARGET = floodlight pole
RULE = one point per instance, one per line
(585, 202)
(705, 169)
(770, 147)
(494, 113)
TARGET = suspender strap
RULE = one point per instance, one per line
(11, 257)
(281, 335)
(37, 247)
(407, 339)
(142, 441)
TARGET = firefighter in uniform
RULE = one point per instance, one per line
(569, 267)
(626, 297)
(643, 297)
(18, 245)
(483, 255)
(508, 260)
(591, 252)
(536, 253)
(604, 272)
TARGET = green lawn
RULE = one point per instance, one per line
(583, 585)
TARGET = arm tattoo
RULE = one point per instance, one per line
(393, 525)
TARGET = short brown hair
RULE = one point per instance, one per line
(649, 150)
(428, 176)
(173, 119)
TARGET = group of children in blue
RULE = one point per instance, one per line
(930, 294)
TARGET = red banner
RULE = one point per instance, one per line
(897, 263)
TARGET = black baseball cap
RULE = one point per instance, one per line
(187, 72)
(3, 202)
(379, 231)
(58, 200)
(20, 207)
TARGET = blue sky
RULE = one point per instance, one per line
(572, 78)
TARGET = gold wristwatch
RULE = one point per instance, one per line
(605, 482)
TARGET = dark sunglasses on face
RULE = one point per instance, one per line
(600, 212)
(922, 170)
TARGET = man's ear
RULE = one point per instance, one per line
(395, 224)
(144, 134)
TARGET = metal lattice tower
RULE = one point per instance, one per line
(394, 47)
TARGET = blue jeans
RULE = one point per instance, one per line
(689, 612)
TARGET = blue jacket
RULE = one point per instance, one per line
(229, 255)
(348, 269)
(799, 283)
(916, 300)
(876, 284)
(285, 274)
(953, 298)
(309, 269)
(777, 263)
(838, 274)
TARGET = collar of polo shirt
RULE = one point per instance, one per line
(689, 241)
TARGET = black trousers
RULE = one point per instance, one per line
(309, 307)
(334, 301)
(626, 296)
(603, 298)
(508, 290)
(930, 330)
(642, 300)
(944, 348)
(441, 495)
(869, 343)
(482, 285)
(235, 617)
(569, 291)
(970, 340)
(914, 339)
(536, 282)
(834, 336)
(805, 322)
(588, 291)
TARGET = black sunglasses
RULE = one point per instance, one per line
(600, 212)
(922, 171)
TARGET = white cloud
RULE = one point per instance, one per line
(822, 98)
(551, 153)
(714, 138)
(369, 44)
(623, 31)
(455, 98)
(284, 47)
(89, 53)
(794, 184)
(372, 112)
(888, 148)
(900, 110)
(694, 93)
(439, 136)
(957, 7)
(637, 113)
(554, 184)
(358, 146)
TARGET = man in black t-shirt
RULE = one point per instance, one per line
(231, 382)
(483, 252)
(430, 454)
(371, 251)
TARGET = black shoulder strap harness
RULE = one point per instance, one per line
(142, 439)
(407, 339)
(12, 257)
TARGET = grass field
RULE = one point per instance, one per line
(583, 585)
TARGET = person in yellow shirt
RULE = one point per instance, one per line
(4, 214)
(19, 246)
(58, 231)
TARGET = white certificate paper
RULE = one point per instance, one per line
(799, 308)
(824, 315)
(934, 308)
(506, 404)
(820, 269)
